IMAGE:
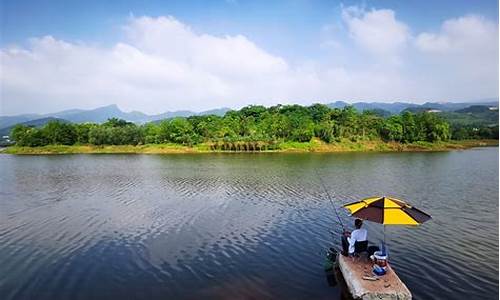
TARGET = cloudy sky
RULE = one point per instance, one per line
(156, 56)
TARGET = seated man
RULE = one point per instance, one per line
(349, 239)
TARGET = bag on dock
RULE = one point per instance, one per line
(372, 249)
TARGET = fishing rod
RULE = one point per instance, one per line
(331, 201)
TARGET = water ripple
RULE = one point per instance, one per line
(250, 226)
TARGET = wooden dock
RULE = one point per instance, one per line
(388, 286)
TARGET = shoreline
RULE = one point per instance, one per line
(287, 147)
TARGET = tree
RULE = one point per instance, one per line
(255, 111)
(115, 122)
(392, 129)
(410, 133)
(98, 136)
(82, 132)
(179, 130)
(348, 121)
(19, 133)
(254, 125)
(369, 124)
(58, 133)
(319, 112)
(151, 133)
(324, 131)
(432, 128)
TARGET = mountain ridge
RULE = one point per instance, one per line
(101, 114)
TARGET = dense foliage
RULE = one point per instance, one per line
(247, 128)
(474, 122)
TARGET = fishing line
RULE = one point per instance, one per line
(331, 201)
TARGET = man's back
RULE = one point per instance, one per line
(358, 235)
(349, 239)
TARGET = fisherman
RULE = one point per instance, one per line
(350, 238)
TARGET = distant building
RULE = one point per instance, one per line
(493, 108)
(5, 137)
(434, 111)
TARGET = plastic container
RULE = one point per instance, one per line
(379, 271)
(380, 260)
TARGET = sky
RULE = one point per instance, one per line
(157, 56)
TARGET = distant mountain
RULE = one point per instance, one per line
(478, 109)
(398, 107)
(393, 108)
(419, 109)
(218, 112)
(101, 114)
(457, 106)
(475, 115)
(172, 114)
(381, 112)
(7, 121)
(337, 104)
(68, 112)
(32, 123)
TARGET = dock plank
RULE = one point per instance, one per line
(388, 287)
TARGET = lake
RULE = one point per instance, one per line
(238, 226)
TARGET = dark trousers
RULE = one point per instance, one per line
(345, 245)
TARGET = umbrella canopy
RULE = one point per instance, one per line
(387, 211)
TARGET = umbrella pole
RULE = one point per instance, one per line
(384, 235)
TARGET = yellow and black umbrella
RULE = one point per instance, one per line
(387, 211)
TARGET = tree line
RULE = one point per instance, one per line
(251, 126)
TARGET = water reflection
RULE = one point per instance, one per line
(236, 226)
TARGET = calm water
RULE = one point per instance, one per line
(237, 226)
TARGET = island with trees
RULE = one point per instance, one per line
(315, 128)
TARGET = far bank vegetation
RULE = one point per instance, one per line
(252, 128)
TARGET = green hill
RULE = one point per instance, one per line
(476, 115)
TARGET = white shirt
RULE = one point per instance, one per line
(358, 235)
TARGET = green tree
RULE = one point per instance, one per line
(58, 133)
(151, 133)
(98, 136)
(432, 128)
(19, 134)
(82, 132)
(255, 125)
(319, 112)
(392, 129)
(179, 130)
(28, 136)
(325, 131)
(410, 129)
(115, 122)
(369, 124)
(348, 122)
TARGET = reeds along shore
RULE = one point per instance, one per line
(229, 147)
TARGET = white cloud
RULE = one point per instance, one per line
(163, 64)
(463, 35)
(229, 55)
(377, 31)
(463, 56)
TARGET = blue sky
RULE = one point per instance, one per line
(275, 25)
(298, 42)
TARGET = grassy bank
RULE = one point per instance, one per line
(313, 146)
